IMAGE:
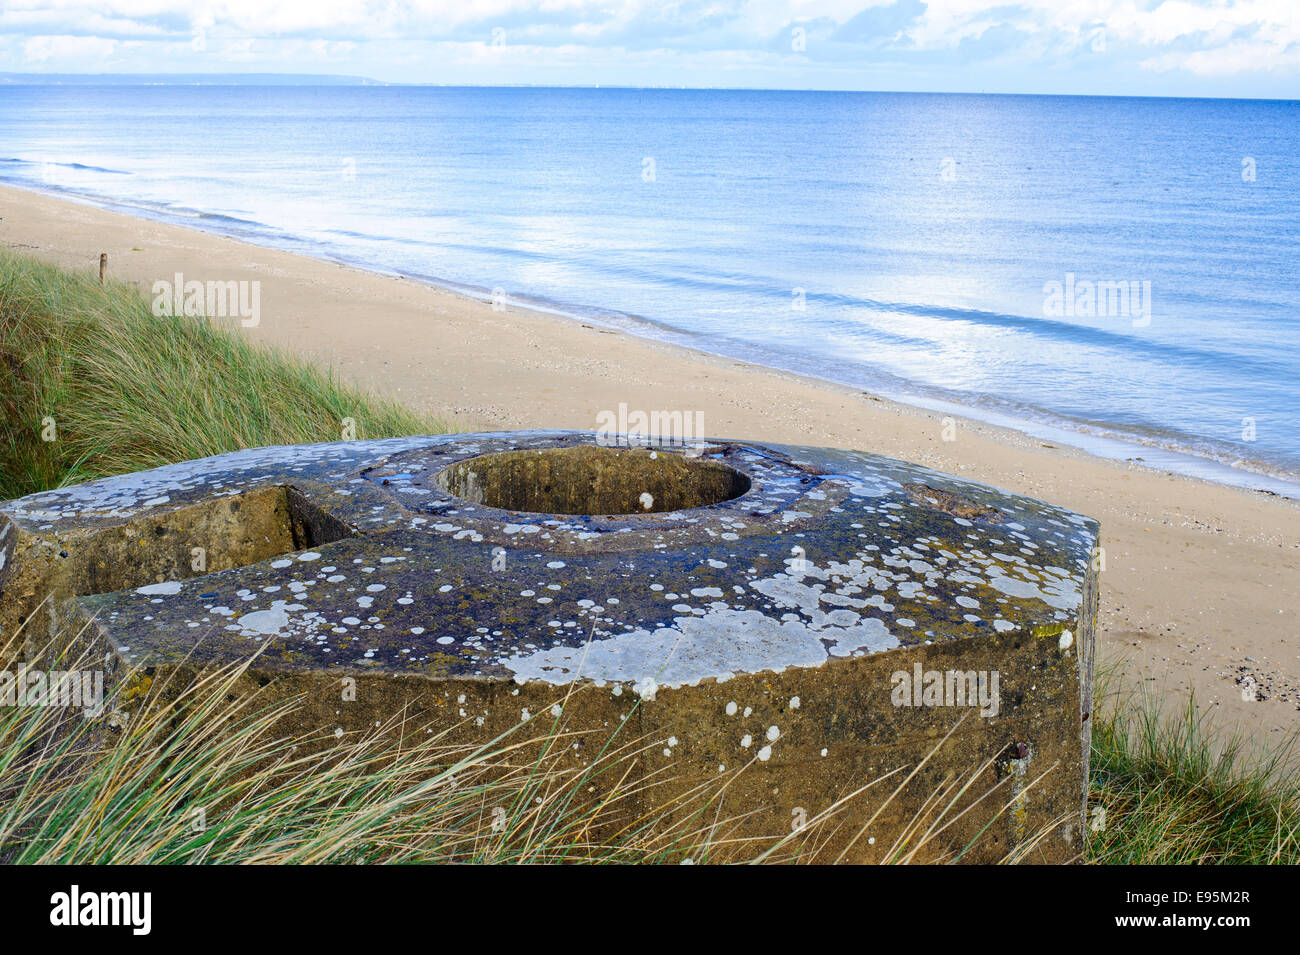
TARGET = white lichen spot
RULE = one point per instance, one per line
(714, 645)
(268, 622)
(166, 588)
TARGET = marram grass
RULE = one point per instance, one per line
(203, 776)
(1168, 788)
(93, 384)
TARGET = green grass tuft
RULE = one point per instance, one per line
(1169, 789)
(127, 390)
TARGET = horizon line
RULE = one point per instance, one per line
(197, 79)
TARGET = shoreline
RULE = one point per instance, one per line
(1106, 441)
(1202, 579)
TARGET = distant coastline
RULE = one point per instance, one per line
(185, 79)
(340, 79)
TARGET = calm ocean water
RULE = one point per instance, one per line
(906, 244)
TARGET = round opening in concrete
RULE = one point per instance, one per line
(592, 480)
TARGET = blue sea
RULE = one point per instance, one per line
(1120, 274)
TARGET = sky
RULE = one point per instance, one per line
(1111, 47)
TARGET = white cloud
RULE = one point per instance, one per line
(67, 50)
(1251, 38)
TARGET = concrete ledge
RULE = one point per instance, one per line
(819, 616)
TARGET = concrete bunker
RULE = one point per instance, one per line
(788, 610)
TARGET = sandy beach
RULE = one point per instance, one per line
(1201, 584)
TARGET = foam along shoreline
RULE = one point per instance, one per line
(1201, 585)
(1097, 440)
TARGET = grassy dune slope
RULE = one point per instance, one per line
(118, 389)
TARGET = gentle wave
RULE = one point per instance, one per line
(67, 165)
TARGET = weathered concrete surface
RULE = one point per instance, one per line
(762, 621)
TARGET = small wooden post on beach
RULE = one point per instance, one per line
(103, 266)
